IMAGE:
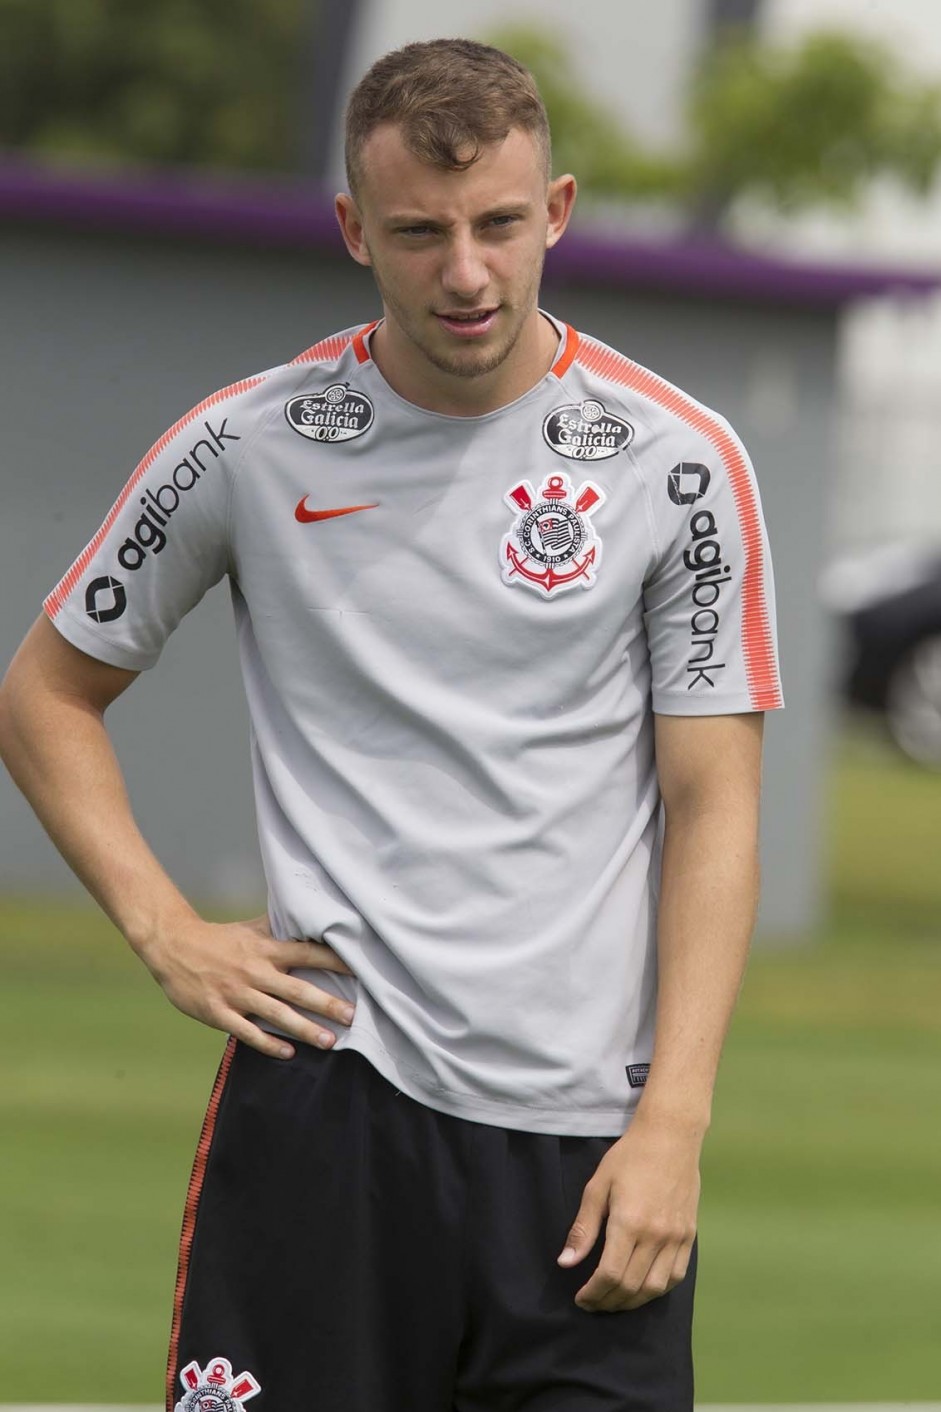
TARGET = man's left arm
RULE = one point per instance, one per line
(647, 1185)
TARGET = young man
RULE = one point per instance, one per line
(499, 593)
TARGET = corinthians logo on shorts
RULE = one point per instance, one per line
(552, 546)
(214, 1389)
(586, 431)
(336, 414)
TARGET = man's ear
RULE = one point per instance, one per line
(559, 202)
(351, 228)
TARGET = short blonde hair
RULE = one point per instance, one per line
(450, 98)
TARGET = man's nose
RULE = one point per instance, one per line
(465, 271)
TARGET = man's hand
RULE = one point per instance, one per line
(223, 973)
(647, 1185)
(54, 743)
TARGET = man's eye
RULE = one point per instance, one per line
(501, 222)
(415, 230)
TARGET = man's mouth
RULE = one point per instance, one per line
(467, 325)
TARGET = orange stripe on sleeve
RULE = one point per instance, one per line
(57, 598)
(189, 1216)
(757, 642)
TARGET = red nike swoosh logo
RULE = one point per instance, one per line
(310, 517)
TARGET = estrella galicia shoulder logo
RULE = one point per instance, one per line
(586, 431)
(105, 599)
(337, 414)
(688, 482)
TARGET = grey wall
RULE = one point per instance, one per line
(106, 341)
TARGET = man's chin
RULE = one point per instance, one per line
(473, 367)
(469, 362)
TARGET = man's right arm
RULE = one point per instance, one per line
(54, 742)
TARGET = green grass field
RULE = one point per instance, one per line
(821, 1220)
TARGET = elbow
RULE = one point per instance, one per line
(6, 718)
(10, 716)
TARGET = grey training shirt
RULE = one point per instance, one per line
(453, 633)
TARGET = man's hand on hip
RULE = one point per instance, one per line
(647, 1185)
(230, 974)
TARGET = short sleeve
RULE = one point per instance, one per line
(709, 601)
(164, 542)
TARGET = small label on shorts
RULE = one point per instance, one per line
(637, 1074)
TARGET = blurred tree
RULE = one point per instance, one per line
(222, 83)
(206, 81)
(609, 163)
(800, 126)
(808, 126)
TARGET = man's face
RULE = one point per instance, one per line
(457, 256)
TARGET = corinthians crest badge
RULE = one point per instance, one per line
(552, 546)
(214, 1389)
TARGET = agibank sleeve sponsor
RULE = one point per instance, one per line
(709, 595)
(164, 541)
(709, 602)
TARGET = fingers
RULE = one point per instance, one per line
(272, 1045)
(286, 956)
(586, 1227)
(648, 1275)
(276, 999)
(285, 1017)
(221, 975)
(681, 1262)
(273, 1012)
(307, 952)
(291, 954)
(631, 1273)
(602, 1290)
(311, 997)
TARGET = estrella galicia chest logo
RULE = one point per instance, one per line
(586, 431)
(215, 1388)
(552, 546)
(337, 414)
(688, 482)
(105, 599)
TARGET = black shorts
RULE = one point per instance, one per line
(351, 1250)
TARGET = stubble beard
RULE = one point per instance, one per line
(468, 365)
(465, 364)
